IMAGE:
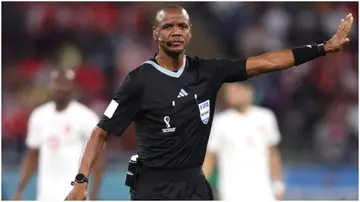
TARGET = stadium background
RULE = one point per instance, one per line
(316, 104)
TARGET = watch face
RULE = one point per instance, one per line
(80, 177)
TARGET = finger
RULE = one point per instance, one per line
(347, 20)
(348, 16)
(349, 25)
(341, 26)
(343, 23)
(345, 42)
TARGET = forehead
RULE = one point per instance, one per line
(172, 16)
(60, 77)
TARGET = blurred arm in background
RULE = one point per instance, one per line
(27, 170)
(275, 158)
(30, 161)
(283, 59)
(276, 173)
(209, 164)
(214, 145)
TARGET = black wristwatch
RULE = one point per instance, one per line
(80, 178)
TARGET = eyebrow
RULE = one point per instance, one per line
(172, 23)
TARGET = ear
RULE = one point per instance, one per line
(155, 33)
(190, 31)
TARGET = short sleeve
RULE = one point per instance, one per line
(123, 107)
(229, 70)
(274, 132)
(33, 138)
(215, 139)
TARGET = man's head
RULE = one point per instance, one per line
(172, 29)
(238, 95)
(62, 85)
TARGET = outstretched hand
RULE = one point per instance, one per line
(340, 40)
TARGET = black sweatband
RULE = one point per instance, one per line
(307, 53)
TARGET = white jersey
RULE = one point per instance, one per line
(241, 143)
(60, 138)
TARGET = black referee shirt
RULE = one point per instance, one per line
(172, 111)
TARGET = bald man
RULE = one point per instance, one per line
(171, 98)
(57, 132)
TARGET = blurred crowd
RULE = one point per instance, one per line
(316, 103)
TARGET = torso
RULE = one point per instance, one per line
(171, 112)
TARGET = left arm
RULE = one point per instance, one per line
(275, 164)
(283, 59)
(99, 168)
(276, 173)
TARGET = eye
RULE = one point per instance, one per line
(167, 27)
(184, 26)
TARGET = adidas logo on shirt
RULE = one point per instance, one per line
(182, 93)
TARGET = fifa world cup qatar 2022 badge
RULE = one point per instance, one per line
(204, 109)
(168, 128)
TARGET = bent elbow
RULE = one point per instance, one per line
(98, 134)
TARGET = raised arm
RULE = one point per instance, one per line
(283, 59)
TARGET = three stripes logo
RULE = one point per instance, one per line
(182, 93)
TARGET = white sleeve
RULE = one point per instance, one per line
(216, 137)
(33, 137)
(274, 132)
(89, 123)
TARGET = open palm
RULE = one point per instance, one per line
(340, 40)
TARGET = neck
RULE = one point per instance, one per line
(169, 60)
(61, 105)
(243, 109)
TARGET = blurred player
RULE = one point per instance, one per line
(243, 140)
(57, 132)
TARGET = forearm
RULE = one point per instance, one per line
(270, 62)
(92, 150)
(276, 173)
(209, 164)
(283, 59)
(276, 165)
(28, 168)
(98, 174)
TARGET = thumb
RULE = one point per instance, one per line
(345, 41)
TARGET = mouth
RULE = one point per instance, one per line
(177, 42)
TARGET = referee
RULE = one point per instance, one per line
(171, 98)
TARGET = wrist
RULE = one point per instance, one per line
(84, 184)
(321, 47)
(327, 47)
(18, 192)
(80, 179)
(307, 53)
(278, 187)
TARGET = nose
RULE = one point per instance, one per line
(176, 32)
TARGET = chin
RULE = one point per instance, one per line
(175, 51)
